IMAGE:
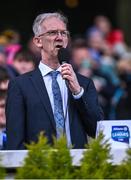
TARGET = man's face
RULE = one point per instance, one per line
(54, 36)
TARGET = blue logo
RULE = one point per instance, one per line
(120, 134)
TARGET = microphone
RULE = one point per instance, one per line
(64, 57)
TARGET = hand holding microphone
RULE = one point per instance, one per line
(67, 71)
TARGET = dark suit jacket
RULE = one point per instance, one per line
(28, 111)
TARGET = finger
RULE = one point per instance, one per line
(68, 77)
(65, 65)
(68, 72)
(67, 69)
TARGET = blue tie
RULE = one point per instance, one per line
(58, 107)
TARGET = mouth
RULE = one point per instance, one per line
(58, 46)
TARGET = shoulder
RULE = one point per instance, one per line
(25, 76)
(24, 79)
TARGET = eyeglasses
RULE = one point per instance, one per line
(54, 33)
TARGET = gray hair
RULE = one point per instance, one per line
(42, 17)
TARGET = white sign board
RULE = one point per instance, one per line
(118, 132)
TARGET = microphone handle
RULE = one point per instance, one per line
(66, 81)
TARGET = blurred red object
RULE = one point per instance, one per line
(115, 36)
(11, 51)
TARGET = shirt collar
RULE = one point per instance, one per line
(46, 69)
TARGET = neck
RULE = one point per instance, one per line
(52, 62)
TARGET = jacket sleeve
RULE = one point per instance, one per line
(15, 117)
(89, 109)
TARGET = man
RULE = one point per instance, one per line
(32, 103)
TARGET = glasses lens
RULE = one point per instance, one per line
(56, 33)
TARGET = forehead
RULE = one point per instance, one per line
(53, 23)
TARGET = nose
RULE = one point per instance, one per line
(59, 34)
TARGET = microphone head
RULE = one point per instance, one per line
(63, 55)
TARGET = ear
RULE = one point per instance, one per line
(37, 41)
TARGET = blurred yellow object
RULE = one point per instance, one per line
(12, 35)
(9, 33)
(71, 3)
(3, 40)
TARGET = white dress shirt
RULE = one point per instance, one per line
(45, 70)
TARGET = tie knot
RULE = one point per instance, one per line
(54, 74)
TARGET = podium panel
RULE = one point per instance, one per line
(117, 132)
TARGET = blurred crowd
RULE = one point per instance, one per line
(101, 54)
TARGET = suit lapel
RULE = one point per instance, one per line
(39, 85)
